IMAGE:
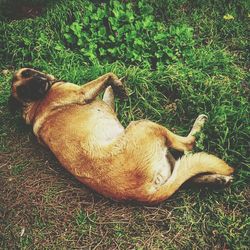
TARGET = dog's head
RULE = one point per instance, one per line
(28, 85)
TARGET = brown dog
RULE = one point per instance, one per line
(85, 135)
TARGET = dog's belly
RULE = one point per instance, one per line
(105, 130)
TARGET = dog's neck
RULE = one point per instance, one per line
(29, 112)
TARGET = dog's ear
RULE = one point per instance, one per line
(14, 105)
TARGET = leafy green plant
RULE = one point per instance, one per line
(128, 32)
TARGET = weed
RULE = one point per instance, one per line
(128, 32)
(25, 242)
(85, 222)
(50, 194)
(18, 169)
(119, 231)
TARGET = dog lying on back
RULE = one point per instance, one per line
(83, 132)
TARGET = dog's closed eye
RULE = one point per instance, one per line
(26, 73)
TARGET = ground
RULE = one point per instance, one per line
(205, 70)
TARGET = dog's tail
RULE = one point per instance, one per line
(187, 167)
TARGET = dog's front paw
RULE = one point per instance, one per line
(119, 88)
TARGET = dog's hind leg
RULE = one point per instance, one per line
(109, 97)
(184, 143)
(181, 143)
(185, 168)
(206, 179)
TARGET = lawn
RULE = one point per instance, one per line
(180, 59)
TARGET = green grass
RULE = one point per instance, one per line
(58, 212)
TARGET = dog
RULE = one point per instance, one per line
(85, 135)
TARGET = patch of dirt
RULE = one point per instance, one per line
(44, 206)
(41, 204)
(15, 10)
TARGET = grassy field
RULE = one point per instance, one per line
(205, 69)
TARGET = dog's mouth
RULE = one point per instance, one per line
(56, 81)
(47, 85)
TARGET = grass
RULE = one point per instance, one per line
(56, 211)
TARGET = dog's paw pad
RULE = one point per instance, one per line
(225, 180)
(228, 180)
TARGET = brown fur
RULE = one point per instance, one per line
(85, 135)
